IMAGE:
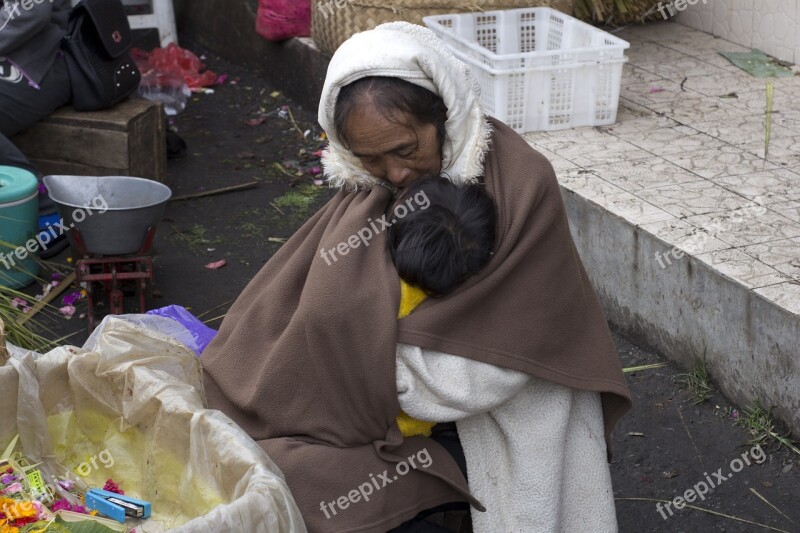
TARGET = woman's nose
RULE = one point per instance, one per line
(398, 175)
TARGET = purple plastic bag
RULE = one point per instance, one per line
(201, 333)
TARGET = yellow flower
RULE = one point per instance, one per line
(16, 509)
(5, 528)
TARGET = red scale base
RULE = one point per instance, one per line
(113, 275)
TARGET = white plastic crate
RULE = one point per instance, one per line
(539, 69)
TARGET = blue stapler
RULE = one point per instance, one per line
(116, 506)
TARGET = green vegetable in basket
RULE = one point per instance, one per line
(69, 522)
(81, 523)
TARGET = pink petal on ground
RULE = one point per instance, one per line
(656, 90)
(216, 264)
(67, 311)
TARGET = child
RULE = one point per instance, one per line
(437, 248)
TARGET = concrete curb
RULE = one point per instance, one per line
(689, 310)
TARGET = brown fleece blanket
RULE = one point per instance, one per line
(305, 359)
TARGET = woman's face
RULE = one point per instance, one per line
(398, 149)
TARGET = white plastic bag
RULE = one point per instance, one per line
(129, 406)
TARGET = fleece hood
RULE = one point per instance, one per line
(416, 55)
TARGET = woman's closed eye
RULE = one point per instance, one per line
(373, 160)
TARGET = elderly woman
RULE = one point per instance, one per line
(312, 362)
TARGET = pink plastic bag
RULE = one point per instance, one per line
(170, 74)
(281, 19)
(174, 59)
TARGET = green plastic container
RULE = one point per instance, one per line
(19, 217)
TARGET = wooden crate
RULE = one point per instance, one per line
(125, 140)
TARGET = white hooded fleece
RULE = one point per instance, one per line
(535, 450)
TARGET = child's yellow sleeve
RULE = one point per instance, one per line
(410, 427)
(410, 298)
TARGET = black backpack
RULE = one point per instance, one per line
(101, 70)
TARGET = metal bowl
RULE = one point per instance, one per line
(112, 213)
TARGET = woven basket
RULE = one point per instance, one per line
(334, 21)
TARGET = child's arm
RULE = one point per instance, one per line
(444, 388)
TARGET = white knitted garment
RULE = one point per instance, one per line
(535, 450)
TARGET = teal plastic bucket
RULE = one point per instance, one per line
(19, 217)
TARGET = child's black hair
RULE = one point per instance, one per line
(439, 246)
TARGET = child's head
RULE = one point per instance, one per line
(438, 246)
